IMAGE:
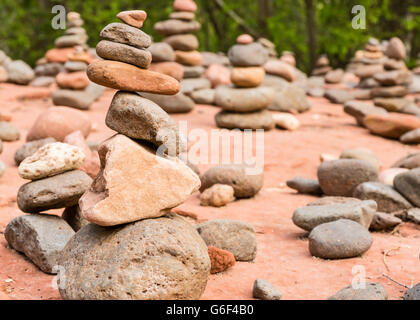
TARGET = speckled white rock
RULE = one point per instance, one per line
(51, 159)
(286, 121)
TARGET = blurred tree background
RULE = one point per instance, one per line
(306, 27)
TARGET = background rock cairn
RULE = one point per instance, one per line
(134, 248)
(18, 71)
(177, 56)
(76, 90)
(245, 105)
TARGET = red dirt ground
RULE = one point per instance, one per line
(283, 258)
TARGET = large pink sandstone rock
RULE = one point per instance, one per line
(91, 165)
(135, 184)
(126, 77)
(58, 122)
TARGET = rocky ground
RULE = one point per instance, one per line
(283, 257)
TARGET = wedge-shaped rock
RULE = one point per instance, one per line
(140, 118)
(123, 76)
(134, 184)
(51, 159)
(310, 217)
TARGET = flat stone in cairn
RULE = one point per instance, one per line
(252, 121)
(125, 53)
(244, 100)
(179, 103)
(60, 191)
(125, 34)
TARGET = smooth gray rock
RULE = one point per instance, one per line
(359, 110)
(305, 186)
(385, 196)
(188, 86)
(408, 184)
(371, 291)
(40, 237)
(161, 52)
(73, 217)
(171, 27)
(310, 217)
(242, 178)
(125, 34)
(42, 82)
(384, 221)
(204, 96)
(8, 132)
(60, 191)
(413, 293)
(193, 71)
(245, 121)
(19, 72)
(265, 291)
(244, 99)
(339, 239)
(234, 236)
(49, 69)
(248, 55)
(413, 215)
(110, 50)
(361, 154)
(290, 99)
(341, 177)
(179, 103)
(140, 118)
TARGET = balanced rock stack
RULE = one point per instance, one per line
(322, 66)
(245, 105)
(179, 45)
(17, 71)
(134, 248)
(55, 183)
(367, 63)
(55, 59)
(416, 71)
(390, 94)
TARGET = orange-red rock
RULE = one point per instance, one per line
(188, 58)
(218, 75)
(126, 77)
(391, 125)
(58, 122)
(134, 18)
(81, 57)
(59, 55)
(247, 77)
(221, 260)
(172, 69)
(73, 80)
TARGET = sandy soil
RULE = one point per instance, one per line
(283, 257)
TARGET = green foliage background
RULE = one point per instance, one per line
(26, 32)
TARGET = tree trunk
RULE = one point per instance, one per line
(311, 29)
(264, 12)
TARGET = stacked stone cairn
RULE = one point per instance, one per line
(416, 71)
(75, 89)
(17, 72)
(55, 60)
(245, 104)
(55, 183)
(322, 66)
(178, 57)
(134, 248)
